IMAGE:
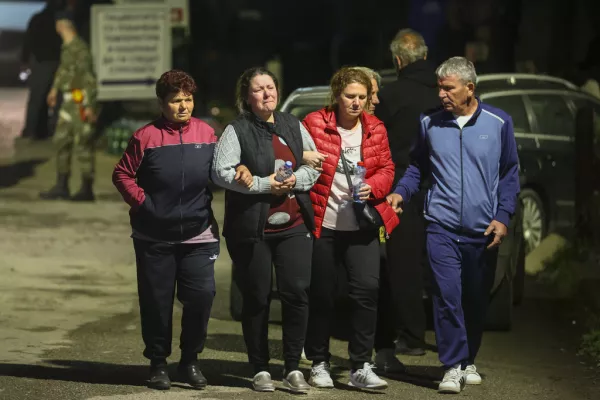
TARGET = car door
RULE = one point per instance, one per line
(554, 130)
(530, 167)
(514, 105)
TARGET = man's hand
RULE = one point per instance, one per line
(499, 230)
(314, 159)
(396, 201)
(364, 192)
(51, 99)
(243, 176)
(90, 115)
(281, 188)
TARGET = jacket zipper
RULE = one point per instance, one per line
(462, 185)
(182, 183)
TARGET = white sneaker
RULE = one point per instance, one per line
(366, 378)
(387, 363)
(453, 382)
(472, 377)
(320, 376)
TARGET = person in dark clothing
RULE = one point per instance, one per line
(400, 104)
(164, 176)
(268, 221)
(41, 55)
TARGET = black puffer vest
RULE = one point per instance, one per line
(246, 214)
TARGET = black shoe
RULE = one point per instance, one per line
(403, 348)
(159, 378)
(60, 191)
(86, 192)
(190, 373)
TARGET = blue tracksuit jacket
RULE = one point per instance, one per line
(474, 171)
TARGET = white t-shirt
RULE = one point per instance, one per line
(462, 120)
(339, 214)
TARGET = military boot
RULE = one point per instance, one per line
(60, 191)
(86, 192)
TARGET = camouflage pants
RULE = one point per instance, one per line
(74, 136)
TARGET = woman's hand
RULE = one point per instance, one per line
(243, 176)
(51, 98)
(365, 192)
(314, 159)
(282, 188)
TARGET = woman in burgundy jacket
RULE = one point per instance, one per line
(164, 176)
(345, 126)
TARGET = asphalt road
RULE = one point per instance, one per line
(69, 323)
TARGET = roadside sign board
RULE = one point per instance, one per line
(180, 11)
(131, 46)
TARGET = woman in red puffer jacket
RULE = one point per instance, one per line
(345, 126)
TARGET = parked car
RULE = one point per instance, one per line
(543, 109)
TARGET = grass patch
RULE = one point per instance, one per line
(568, 274)
(590, 342)
(564, 271)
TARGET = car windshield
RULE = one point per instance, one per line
(300, 111)
(306, 103)
(506, 84)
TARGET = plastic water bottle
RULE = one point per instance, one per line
(284, 172)
(358, 180)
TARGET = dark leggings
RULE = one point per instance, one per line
(358, 252)
(253, 266)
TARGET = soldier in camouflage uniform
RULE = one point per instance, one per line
(76, 80)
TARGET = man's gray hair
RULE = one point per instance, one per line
(371, 74)
(409, 46)
(459, 66)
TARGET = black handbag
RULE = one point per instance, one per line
(366, 215)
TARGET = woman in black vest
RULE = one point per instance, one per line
(268, 222)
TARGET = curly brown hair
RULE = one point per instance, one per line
(344, 77)
(175, 81)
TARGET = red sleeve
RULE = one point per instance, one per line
(383, 178)
(125, 172)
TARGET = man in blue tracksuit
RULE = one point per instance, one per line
(468, 150)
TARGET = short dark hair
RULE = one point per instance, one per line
(175, 81)
(243, 85)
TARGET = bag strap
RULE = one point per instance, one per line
(346, 170)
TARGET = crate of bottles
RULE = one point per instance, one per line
(119, 133)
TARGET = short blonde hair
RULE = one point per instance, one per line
(344, 77)
(372, 74)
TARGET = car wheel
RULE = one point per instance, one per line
(534, 219)
(235, 299)
(499, 314)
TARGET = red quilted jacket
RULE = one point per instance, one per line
(375, 154)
